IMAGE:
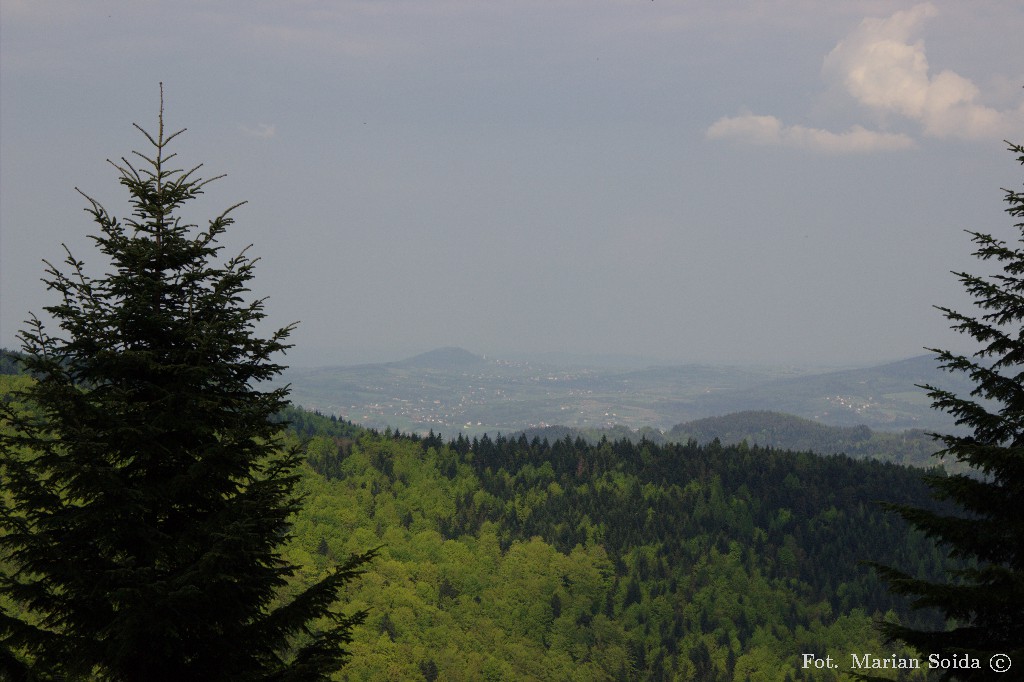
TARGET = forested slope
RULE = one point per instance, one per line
(775, 430)
(516, 559)
(509, 559)
(786, 431)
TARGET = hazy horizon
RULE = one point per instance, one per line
(783, 183)
(311, 358)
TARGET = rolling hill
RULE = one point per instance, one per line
(451, 391)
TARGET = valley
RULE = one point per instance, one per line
(451, 391)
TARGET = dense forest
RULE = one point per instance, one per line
(516, 559)
(915, 447)
(774, 430)
(510, 558)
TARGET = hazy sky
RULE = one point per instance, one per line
(738, 182)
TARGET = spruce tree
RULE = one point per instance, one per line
(147, 492)
(983, 602)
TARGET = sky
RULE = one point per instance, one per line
(731, 182)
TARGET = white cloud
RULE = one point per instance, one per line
(856, 139)
(750, 129)
(886, 71)
(882, 69)
(769, 130)
(261, 130)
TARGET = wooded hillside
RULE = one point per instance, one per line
(516, 559)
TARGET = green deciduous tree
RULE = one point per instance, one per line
(147, 491)
(984, 600)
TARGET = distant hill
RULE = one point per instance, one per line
(883, 397)
(775, 430)
(772, 429)
(787, 432)
(452, 390)
(447, 358)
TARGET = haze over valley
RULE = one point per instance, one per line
(452, 390)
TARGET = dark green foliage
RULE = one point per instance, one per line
(775, 430)
(147, 490)
(788, 432)
(309, 424)
(10, 362)
(985, 600)
(429, 670)
(801, 516)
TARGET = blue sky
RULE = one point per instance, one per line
(713, 182)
